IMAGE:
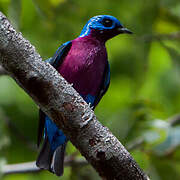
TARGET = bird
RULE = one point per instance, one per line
(83, 62)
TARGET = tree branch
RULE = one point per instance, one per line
(30, 167)
(65, 107)
(170, 36)
(135, 144)
(174, 120)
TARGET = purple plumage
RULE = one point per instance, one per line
(85, 64)
(82, 62)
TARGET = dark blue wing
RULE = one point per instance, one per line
(55, 61)
(104, 85)
(58, 57)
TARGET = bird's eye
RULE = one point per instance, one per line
(107, 22)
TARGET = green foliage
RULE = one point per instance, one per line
(144, 90)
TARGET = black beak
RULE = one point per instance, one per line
(124, 30)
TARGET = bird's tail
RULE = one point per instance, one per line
(52, 161)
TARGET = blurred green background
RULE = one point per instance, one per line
(144, 95)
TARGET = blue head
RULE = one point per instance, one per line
(103, 27)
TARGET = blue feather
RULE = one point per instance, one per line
(96, 23)
(89, 99)
(56, 60)
(51, 156)
(54, 134)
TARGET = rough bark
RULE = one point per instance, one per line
(65, 107)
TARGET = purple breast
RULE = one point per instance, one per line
(84, 65)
